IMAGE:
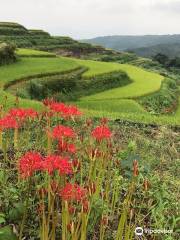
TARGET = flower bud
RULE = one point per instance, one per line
(135, 168)
(104, 221)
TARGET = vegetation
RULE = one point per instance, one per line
(68, 172)
(67, 178)
(165, 100)
(69, 86)
(34, 66)
(18, 35)
(7, 54)
(49, 78)
(28, 67)
(24, 52)
(132, 43)
(172, 50)
(165, 61)
(137, 88)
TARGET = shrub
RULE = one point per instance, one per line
(72, 86)
(165, 100)
(7, 53)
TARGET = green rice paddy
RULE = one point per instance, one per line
(117, 103)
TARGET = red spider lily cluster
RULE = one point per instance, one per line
(61, 164)
(66, 111)
(62, 181)
(34, 161)
(22, 114)
(101, 132)
(61, 131)
(67, 147)
(15, 117)
(8, 122)
(73, 192)
(29, 163)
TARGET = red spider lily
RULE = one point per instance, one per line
(8, 122)
(64, 110)
(62, 131)
(29, 163)
(71, 111)
(57, 107)
(71, 148)
(53, 162)
(22, 114)
(73, 192)
(101, 132)
(67, 147)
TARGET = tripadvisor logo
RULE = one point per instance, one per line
(139, 231)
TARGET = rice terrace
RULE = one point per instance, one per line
(141, 83)
(89, 140)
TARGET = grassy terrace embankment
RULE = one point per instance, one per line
(116, 103)
(144, 82)
(27, 67)
(23, 52)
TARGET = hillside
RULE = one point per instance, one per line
(170, 50)
(115, 94)
(122, 43)
(38, 39)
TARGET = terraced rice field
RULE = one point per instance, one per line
(143, 82)
(26, 67)
(115, 103)
(23, 52)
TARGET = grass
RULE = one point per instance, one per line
(33, 66)
(117, 106)
(177, 113)
(8, 100)
(144, 118)
(23, 52)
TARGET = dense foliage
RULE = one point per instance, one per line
(163, 101)
(166, 61)
(7, 53)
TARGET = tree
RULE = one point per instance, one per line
(161, 58)
(7, 53)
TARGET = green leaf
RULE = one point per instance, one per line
(2, 218)
(16, 213)
(6, 233)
